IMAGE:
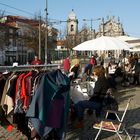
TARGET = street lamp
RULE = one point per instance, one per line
(91, 21)
(46, 32)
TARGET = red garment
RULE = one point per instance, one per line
(24, 95)
(18, 87)
(92, 61)
(36, 62)
(66, 64)
(28, 89)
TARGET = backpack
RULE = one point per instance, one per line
(110, 103)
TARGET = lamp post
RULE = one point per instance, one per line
(91, 22)
(46, 32)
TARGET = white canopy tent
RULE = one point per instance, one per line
(102, 43)
(135, 50)
(132, 41)
(126, 38)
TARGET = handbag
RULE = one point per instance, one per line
(110, 103)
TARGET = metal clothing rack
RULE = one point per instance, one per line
(29, 67)
(50, 67)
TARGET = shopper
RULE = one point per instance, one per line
(66, 65)
(36, 61)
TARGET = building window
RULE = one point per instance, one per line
(72, 28)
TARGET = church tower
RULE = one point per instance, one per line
(72, 24)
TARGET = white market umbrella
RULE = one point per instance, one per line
(135, 50)
(102, 43)
(127, 38)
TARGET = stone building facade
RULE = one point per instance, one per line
(110, 27)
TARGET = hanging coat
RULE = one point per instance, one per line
(50, 105)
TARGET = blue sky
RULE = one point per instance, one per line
(127, 10)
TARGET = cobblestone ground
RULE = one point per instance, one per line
(132, 118)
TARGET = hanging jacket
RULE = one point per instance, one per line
(50, 104)
(24, 91)
(10, 95)
(17, 101)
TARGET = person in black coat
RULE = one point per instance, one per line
(136, 73)
(95, 102)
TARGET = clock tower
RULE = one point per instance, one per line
(72, 24)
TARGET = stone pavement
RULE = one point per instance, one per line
(132, 118)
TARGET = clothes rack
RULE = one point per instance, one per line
(28, 67)
(24, 92)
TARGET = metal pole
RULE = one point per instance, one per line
(46, 32)
(22, 52)
(39, 49)
(91, 27)
(91, 24)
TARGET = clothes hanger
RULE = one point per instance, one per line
(5, 72)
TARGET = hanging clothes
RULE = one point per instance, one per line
(3, 79)
(18, 102)
(6, 87)
(40, 98)
(51, 97)
(8, 93)
(26, 90)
